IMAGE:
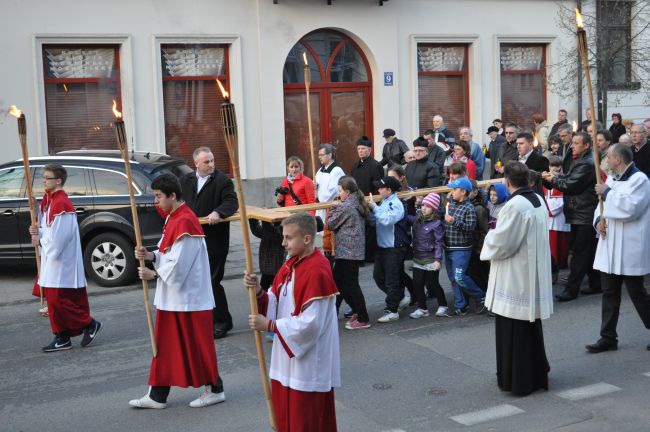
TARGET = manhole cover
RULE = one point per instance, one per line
(381, 386)
(436, 392)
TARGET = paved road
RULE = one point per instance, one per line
(433, 374)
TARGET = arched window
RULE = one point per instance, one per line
(341, 103)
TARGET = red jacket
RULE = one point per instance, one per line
(303, 187)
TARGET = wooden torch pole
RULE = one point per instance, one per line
(22, 135)
(120, 135)
(230, 134)
(584, 54)
(311, 136)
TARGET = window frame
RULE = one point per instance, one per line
(126, 93)
(604, 25)
(464, 73)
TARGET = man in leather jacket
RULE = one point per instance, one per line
(580, 201)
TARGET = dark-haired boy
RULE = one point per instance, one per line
(300, 308)
(186, 353)
(62, 272)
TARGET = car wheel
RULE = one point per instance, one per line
(109, 260)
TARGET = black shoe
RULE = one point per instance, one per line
(221, 331)
(91, 332)
(461, 312)
(602, 345)
(565, 296)
(590, 291)
(58, 344)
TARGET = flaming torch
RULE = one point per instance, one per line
(311, 138)
(22, 135)
(230, 134)
(120, 135)
(584, 54)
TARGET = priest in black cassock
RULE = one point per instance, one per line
(520, 292)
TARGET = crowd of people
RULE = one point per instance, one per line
(502, 247)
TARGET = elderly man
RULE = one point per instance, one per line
(422, 173)
(508, 150)
(367, 170)
(561, 120)
(625, 139)
(210, 193)
(477, 155)
(577, 184)
(640, 149)
(496, 141)
(566, 135)
(622, 254)
(587, 122)
(527, 154)
(519, 288)
(394, 149)
(441, 133)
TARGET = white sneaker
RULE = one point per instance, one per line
(442, 311)
(406, 300)
(388, 317)
(419, 313)
(208, 398)
(146, 402)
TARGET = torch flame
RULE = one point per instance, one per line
(224, 93)
(116, 113)
(575, 126)
(579, 21)
(15, 111)
(535, 143)
(304, 58)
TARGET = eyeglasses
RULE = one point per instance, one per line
(50, 178)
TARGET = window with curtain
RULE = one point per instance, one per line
(81, 82)
(192, 100)
(523, 83)
(443, 85)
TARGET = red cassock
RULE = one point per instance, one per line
(69, 311)
(186, 353)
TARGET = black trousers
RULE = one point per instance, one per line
(612, 285)
(220, 314)
(346, 275)
(371, 243)
(582, 243)
(430, 279)
(389, 266)
(160, 393)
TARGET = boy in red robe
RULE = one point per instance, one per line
(300, 308)
(186, 353)
(62, 272)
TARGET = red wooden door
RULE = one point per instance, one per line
(340, 97)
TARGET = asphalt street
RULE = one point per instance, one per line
(432, 374)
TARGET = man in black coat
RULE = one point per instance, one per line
(422, 173)
(394, 149)
(528, 154)
(438, 151)
(580, 201)
(640, 148)
(365, 172)
(210, 193)
(508, 150)
(496, 142)
(561, 120)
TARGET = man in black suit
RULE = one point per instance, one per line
(528, 154)
(211, 194)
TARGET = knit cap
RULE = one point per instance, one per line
(432, 201)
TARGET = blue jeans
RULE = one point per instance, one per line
(456, 263)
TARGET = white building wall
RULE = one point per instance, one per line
(262, 35)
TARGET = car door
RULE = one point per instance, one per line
(11, 195)
(76, 186)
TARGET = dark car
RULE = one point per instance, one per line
(98, 188)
